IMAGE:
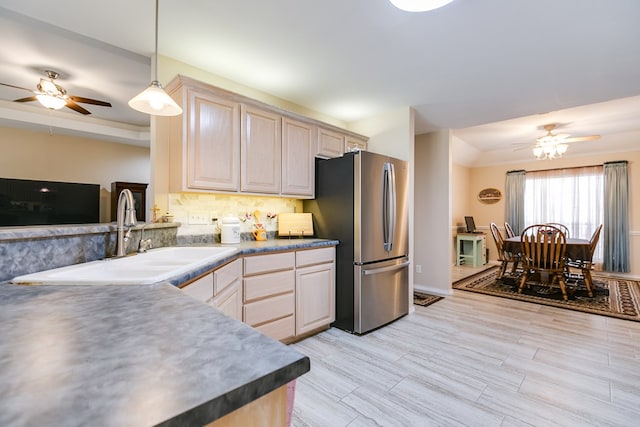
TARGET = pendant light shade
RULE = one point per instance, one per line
(419, 5)
(154, 100)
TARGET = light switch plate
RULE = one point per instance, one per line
(199, 218)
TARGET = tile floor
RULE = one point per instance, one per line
(475, 360)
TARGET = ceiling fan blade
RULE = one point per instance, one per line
(581, 138)
(17, 87)
(89, 101)
(28, 99)
(76, 107)
(520, 147)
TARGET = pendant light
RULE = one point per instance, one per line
(154, 100)
(419, 5)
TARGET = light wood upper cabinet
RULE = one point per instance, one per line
(204, 142)
(228, 143)
(354, 144)
(297, 158)
(330, 143)
(213, 143)
(261, 151)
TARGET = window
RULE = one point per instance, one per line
(573, 197)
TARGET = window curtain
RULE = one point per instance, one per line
(616, 217)
(514, 188)
(571, 196)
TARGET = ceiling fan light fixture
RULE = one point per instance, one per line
(51, 102)
(154, 100)
(419, 5)
(537, 151)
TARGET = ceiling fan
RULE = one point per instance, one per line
(54, 96)
(554, 145)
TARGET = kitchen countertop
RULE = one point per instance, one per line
(133, 355)
(254, 247)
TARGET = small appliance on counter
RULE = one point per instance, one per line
(230, 230)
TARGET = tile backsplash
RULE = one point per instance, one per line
(195, 211)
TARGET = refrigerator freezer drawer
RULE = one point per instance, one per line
(381, 294)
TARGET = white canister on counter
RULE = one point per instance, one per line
(230, 230)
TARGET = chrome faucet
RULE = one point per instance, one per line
(126, 217)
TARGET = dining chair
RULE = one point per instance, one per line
(543, 252)
(586, 265)
(562, 227)
(504, 256)
(509, 230)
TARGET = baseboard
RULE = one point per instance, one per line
(433, 291)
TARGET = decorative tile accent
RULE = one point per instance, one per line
(182, 205)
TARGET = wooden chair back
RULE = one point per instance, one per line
(497, 238)
(543, 248)
(562, 227)
(509, 230)
(593, 242)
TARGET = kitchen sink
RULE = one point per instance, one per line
(153, 266)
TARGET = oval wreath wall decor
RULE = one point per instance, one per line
(489, 196)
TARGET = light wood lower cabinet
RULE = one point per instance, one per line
(315, 295)
(269, 294)
(221, 288)
(315, 289)
(283, 294)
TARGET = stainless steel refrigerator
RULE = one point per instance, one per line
(361, 200)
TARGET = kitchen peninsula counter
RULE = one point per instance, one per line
(129, 356)
(120, 355)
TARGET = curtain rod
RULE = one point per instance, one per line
(570, 167)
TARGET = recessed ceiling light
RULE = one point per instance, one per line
(419, 5)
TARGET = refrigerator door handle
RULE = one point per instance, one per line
(384, 269)
(389, 206)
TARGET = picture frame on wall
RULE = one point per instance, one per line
(489, 196)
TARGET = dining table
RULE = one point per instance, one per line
(577, 249)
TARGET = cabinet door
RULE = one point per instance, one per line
(330, 143)
(261, 151)
(230, 300)
(213, 144)
(297, 158)
(315, 297)
(200, 289)
(354, 144)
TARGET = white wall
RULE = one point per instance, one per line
(391, 133)
(432, 212)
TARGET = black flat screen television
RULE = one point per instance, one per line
(28, 202)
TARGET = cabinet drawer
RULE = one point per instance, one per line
(269, 284)
(315, 256)
(278, 329)
(267, 263)
(269, 309)
(201, 289)
(225, 276)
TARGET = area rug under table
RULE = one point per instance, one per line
(613, 296)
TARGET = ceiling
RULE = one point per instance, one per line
(495, 71)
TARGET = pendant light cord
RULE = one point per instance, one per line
(155, 64)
